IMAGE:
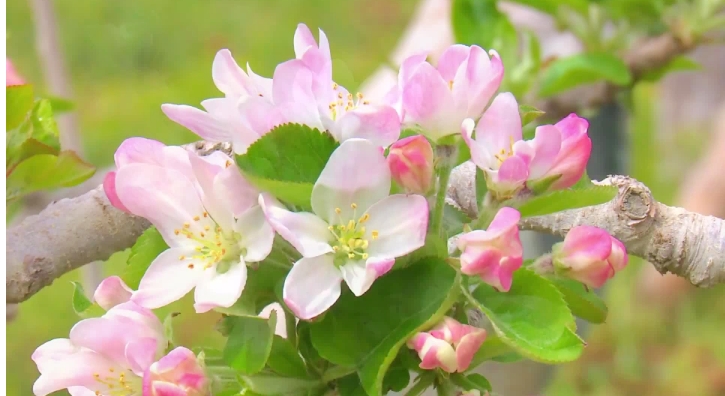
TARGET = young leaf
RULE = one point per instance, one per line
(350, 386)
(582, 302)
(529, 114)
(572, 71)
(249, 343)
(471, 382)
(532, 317)
(287, 161)
(368, 331)
(60, 105)
(37, 135)
(19, 102)
(82, 305)
(285, 360)
(47, 171)
(473, 21)
(680, 63)
(397, 377)
(558, 201)
(493, 348)
(148, 246)
(453, 220)
(552, 6)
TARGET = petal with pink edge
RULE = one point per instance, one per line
(109, 188)
(137, 149)
(169, 278)
(451, 60)
(358, 277)
(500, 125)
(467, 348)
(305, 231)
(140, 354)
(592, 242)
(228, 76)
(199, 122)
(214, 289)
(312, 286)
(378, 124)
(256, 233)
(506, 220)
(547, 144)
(401, 222)
(355, 173)
(111, 292)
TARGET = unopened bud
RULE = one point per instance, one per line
(589, 255)
(411, 164)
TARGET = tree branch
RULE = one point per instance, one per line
(673, 239)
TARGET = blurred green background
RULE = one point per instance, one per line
(127, 58)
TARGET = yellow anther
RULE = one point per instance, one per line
(111, 369)
(339, 95)
(182, 257)
(375, 234)
(365, 256)
(205, 214)
(207, 228)
(352, 243)
(349, 96)
(202, 234)
(334, 85)
(331, 228)
(366, 102)
(353, 205)
(335, 248)
(187, 225)
(190, 266)
(197, 218)
(359, 95)
(364, 218)
(228, 164)
(450, 84)
(351, 255)
(177, 232)
(351, 225)
(338, 210)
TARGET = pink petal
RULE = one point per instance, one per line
(572, 126)
(162, 388)
(141, 353)
(467, 348)
(12, 77)
(451, 60)
(199, 122)
(303, 40)
(409, 66)
(479, 261)
(109, 188)
(427, 100)
(262, 85)
(618, 258)
(220, 290)
(355, 173)
(434, 353)
(312, 286)
(168, 278)
(592, 242)
(165, 197)
(178, 358)
(500, 125)
(483, 78)
(401, 222)
(111, 292)
(547, 144)
(53, 350)
(505, 221)
(358, 277)
(378, 124)
(571, 161)
(139, 150)
(293, 88)
(228, 76)
(305, 231)
(80, 391)
(512, 174)
(75, 370)
(380, 266)
(256, 233)
(480, 154)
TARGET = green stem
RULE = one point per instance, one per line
(291, 327)
(446, 158)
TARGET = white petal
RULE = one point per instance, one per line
(281, 328)
(358, 277)
(312, 286)
(163, 196)
(220, 290)
(234, 192)
(168, 278)
(205, 173)
(355, 173)
(227, 75)
(305, 231)
(401, 222)
(257, 234)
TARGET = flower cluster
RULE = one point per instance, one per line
(219, 224)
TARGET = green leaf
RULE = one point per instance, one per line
(287, 161)
(481, 187)
(397, 377)
(273, 385)
(169, 327)
(45, 129)
(552, 6)
(582, 302)
(259, 291)
(37, 135)
(148, 246)
(47, 171)
(350, 386)
(558, 201)
(368, 331)
(285, 360)
(471, 382)
(60, 105)
(566, 73)
(82, 305)
(250, 343)
(480, 22)
(492, 349)
(529, 114)
(583, 183)
(532, 317)
(422, 383)
(453, 220)
(680, 63)
(19, 101)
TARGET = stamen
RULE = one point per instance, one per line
(182, 257)
(338, 210)
(205, 214)
(196, 218)
(187, 225)
(364, 218)
(450, 84)
(375, 235)
(177, 232)
(190, 266)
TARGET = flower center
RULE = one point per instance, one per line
(344, 103)
(117, 384)
(212, 244)
(350, 238)
(504, 154)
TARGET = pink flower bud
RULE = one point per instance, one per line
(11, 75)
(450, 346)
(589, 255)
(494, 254)
(411, 164)
(111, 292)
(176, 374)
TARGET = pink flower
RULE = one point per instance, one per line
(439, 98)
(449, 346)
(589, 255)
(356, 232)
(102, 355)
(223, 120)
(303, 90)
(411, 164)
(494, 254)
(176, 374)
(207, 214)
(111, 292)
(562, 152)
(12, 77)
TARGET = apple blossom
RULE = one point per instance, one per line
(176, 374)
(112, 291)
(411, 164)
(589, 255)
(209, 218)
(493, 254)
(450, 346)
(439, 98)
(102, 356)
(356, 232)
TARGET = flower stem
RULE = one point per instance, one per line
(446, 156)
(291, 327)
